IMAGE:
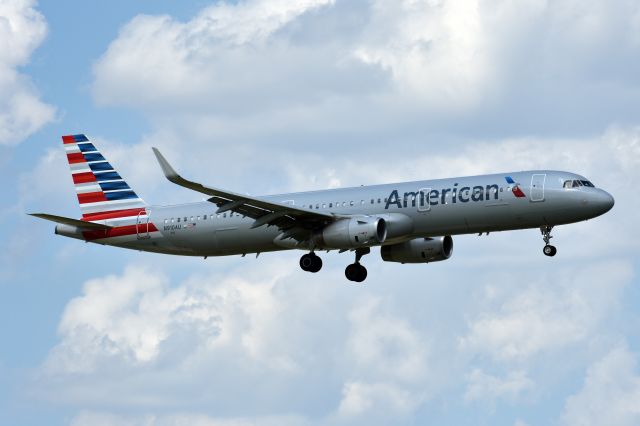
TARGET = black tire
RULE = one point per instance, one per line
(355, 272)
(351, 272)
(549, 250)
(306, 262)
(362, 274)
(316, 263)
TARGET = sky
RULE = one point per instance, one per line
(272, 96)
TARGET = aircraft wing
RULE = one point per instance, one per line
(295, 222)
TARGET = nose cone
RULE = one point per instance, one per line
(601, 201)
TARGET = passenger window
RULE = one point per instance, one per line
(224, 215)
(324, 206)
(372, 200)
(330, 205)
(185, 219)
(171, 220)
(179, 220)
(351, 203)
(344, 204)
(317, 205)
(204, 217)
(378, 200)
(198, 217)
(166, 221)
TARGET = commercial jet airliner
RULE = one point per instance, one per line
(412, 222)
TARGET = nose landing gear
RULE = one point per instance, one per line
(356, 272)
(548, 249)
(311, 262)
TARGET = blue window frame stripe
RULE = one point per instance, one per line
(114, 186)
(100, 167)
(100, 177)
(123, 195)
(94, 156)
(87, 147)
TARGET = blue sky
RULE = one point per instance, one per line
(273, 96)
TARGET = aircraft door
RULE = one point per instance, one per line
(537, 187)
(424, 205)
(142, 224)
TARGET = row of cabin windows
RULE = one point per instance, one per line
(310, 206)
(341, 204)
(197, 218)
(374, 201)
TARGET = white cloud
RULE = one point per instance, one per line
(92, 418)
(485, 387)
(127, 319)
(22, 29)
(329, 66)
(543, 318)
(385, 345)
(378, 402)
(611, 392)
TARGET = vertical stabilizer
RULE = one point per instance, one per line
(100, 189)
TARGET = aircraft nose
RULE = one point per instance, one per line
(602, 201)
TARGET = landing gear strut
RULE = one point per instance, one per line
(548, 249)
(356, 272)
(311, 262)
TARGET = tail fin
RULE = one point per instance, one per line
(99, 187)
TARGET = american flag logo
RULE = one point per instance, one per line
(516, 187)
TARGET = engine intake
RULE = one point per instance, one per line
(419, 250)
(356, 232)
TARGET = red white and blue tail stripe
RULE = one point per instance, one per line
(100, 189)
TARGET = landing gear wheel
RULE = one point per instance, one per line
(548, 249)
(356, 272)
(310, 262)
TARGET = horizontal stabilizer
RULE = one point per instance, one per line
(72, 222)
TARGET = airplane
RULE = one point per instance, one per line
(411, 222)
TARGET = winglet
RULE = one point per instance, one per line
(168, 171)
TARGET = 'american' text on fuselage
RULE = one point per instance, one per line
(435, 197)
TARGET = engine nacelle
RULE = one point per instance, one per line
(364, 231)
(419, 250)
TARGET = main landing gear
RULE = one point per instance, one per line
(548, 249)
(356, 272)
(311, 262)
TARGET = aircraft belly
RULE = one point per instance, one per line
(240, 240)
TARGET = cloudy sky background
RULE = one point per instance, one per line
(265, 96)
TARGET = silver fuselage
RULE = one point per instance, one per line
(427, 208)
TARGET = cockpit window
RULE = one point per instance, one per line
(577, 184)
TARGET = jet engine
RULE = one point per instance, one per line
(364, 231)
(419, 250)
